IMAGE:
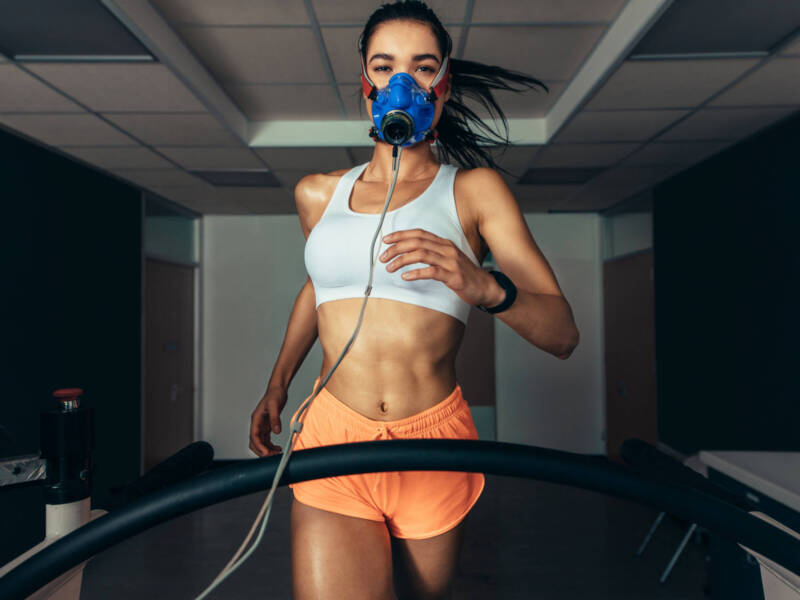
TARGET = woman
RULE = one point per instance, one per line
(360, 536)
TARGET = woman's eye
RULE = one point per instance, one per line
(425, 68)
(382, 68)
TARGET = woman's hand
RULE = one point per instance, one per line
(265, 420)
(448, 264)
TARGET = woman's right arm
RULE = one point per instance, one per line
(301, 333)
(311, 197)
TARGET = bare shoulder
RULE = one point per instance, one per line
(476, 181)
(482, 189)
(312, 194)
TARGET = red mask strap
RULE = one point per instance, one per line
(439, 85)
(367, 87)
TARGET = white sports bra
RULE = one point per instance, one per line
(337, 250)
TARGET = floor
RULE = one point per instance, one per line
(524, 539)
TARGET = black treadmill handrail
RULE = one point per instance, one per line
(497, 458)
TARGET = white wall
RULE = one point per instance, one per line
(253, 269)
(627, 232)
(252, 272)
(542, 400)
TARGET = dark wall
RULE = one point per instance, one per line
(727, 297)
(70, 258)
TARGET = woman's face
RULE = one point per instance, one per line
(405, 47)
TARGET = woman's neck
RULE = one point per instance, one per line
(416, 162)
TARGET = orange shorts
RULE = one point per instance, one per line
(414, 504)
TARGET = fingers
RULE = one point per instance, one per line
(260, 443)
(275, 422)
(425, 257)
(260, 449)
(404, 234)
(443, 247)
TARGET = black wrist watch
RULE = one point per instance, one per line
(511, 293)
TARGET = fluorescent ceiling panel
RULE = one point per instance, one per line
(53, 28)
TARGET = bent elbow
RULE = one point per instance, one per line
(570, 346)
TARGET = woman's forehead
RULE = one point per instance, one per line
(401, 38)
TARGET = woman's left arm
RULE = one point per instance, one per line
(540, 314)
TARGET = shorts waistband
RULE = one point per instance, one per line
(413, 424)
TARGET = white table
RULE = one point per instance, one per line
(775, 474)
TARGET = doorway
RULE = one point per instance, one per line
(169, 359)
(628, 297)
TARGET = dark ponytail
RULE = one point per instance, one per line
(462, 134)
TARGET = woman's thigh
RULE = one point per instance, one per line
(337, 556)
(425, 569)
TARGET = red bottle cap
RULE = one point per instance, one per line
(67, 392)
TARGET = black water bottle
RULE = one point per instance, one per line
(66, 442)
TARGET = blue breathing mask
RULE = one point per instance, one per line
(402, 111)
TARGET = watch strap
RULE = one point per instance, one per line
(511, 293)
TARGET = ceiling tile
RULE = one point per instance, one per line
(211, 207)
(275, 201)
(775, 82)
(134, 157)
(724, 123)
(630, 177)
(258, 54)
(529, 104)
(356, 12)
(540, 198)
(545, 11)
(674, 153)
(667, 83)
(582, 155)
(706, 26)
(119, 86)
(201, 197)
(516, 159)
(208, 199)
(616, 185)
(289, 179)
(160, 177)
(547, 53)
(353, 100)
(273, 102)
(233, 12)
(212, 158)
(23, 93)
(340, 42)
(67, 130)
(793, 48)
(175, 130)
(622, 125)
(310, 160)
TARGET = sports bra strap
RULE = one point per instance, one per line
(344, 187)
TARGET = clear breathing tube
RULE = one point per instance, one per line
(297, 426)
